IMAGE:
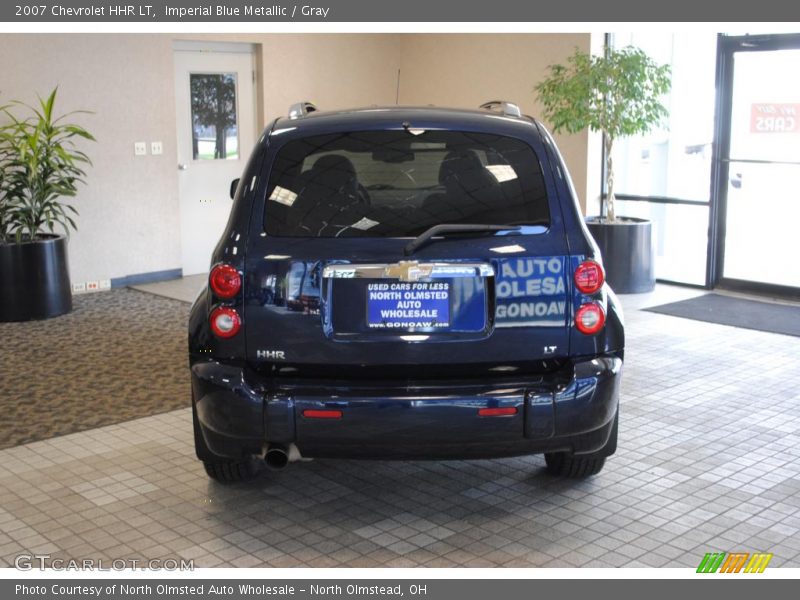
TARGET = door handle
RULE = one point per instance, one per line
(182, 166)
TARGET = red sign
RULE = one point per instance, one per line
(774, 118)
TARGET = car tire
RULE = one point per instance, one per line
(223, 471)
(562, 464)
(231, 472)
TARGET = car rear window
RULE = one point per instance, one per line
(399, 183)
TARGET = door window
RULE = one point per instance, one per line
(214, 123)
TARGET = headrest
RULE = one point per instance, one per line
(460, 163)
(335, 163)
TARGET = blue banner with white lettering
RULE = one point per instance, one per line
(531, 292)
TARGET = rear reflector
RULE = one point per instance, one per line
(497, 412)
(590, 318)
(322, 414)
(225, 322)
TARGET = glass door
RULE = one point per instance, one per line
(758, 178)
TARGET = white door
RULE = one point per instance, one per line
(215, 109)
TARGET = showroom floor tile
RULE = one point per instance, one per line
(709, 460)
(185, 288)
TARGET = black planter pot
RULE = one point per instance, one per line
(34, 279)
(627, 250)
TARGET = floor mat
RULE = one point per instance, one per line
(119, 355)
(737, 312)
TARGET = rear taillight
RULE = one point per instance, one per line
(589, 277)
(225, 281)
(590, 318)
(225, 322)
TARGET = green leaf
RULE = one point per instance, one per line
(40, 166)
(619, 94)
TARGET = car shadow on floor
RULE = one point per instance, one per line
(474, 512)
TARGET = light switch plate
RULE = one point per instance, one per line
(156, 148)
(140, 148)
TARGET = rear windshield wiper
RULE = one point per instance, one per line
(446, 228)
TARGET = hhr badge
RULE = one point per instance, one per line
(271, 354)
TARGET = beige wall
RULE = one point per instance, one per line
(129, 217)
(331, 70)
(129, 210)
(129, 220)
(466, 70)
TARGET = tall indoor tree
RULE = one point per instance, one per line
(618, 93)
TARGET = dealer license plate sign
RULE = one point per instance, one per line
(402, 305)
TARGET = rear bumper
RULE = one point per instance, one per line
(239, 412)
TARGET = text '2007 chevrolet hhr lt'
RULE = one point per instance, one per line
(405, 283)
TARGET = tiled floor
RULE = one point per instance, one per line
(709, 460)
(185, 289)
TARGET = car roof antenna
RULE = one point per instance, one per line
(397, 92)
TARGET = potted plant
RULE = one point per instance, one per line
(40, 166)
(618, 94)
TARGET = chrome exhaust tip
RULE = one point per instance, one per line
(276, 458)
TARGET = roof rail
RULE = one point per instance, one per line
(301, 109)
(509, 108)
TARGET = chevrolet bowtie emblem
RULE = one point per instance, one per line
(408, 270)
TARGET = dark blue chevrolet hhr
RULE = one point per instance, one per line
(405, 283)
